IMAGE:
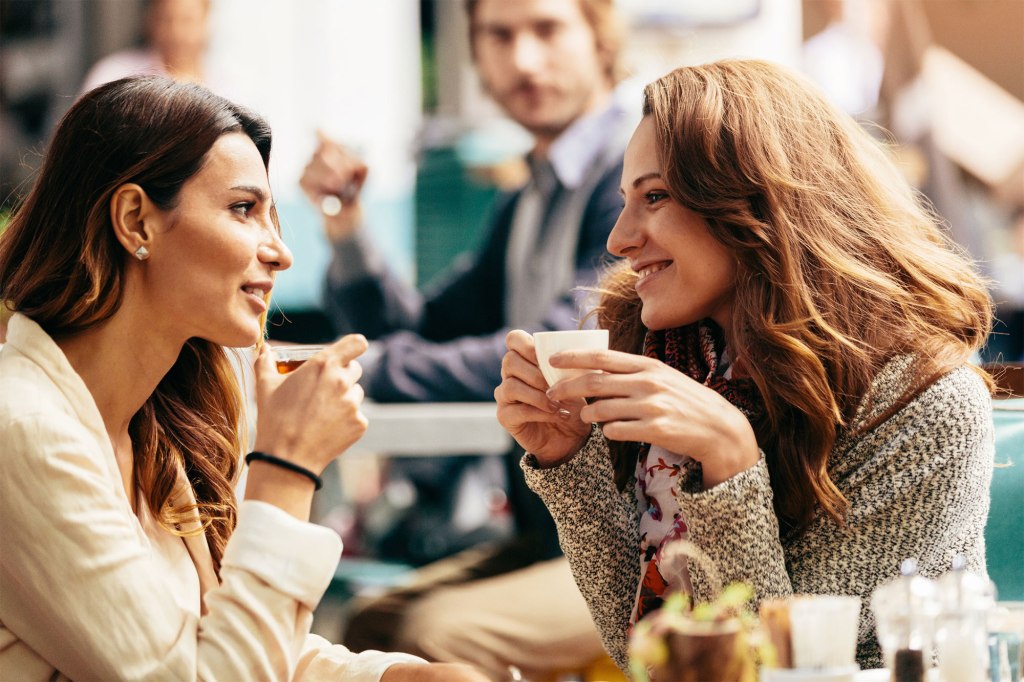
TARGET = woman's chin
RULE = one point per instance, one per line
(242, 337)
(651, 320)
(248, 340)
(656, 321)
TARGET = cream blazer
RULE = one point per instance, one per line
(91, 591)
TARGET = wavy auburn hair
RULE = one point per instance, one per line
(62, 266)
(840, 265)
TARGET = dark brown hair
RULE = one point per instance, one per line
(840, 267)
(62, 266)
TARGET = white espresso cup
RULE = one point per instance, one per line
(549, 343)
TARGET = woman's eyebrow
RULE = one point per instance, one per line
(646, 176)
(653, 175)
(252, 189)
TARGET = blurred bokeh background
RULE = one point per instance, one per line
(944, 80)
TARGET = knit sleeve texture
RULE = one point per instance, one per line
(917, 485)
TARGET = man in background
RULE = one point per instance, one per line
(551, 65)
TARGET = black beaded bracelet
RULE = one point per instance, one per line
(284, 464)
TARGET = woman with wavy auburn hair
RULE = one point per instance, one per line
(148, 243)
(787, 386)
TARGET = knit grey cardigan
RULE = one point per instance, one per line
(917, 484)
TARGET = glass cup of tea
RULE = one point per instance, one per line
(290, 358)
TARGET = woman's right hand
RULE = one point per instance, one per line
(553, 433)
(311, 415)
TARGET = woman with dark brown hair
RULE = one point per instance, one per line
(148, 243)
(788, 386)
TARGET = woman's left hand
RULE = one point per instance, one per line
(641, 399)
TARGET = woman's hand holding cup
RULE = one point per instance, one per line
(551, 432)
(634, 398)
(311, 415)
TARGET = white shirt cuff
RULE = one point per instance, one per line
(294, 557)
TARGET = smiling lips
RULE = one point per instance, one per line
(259, 292)
(650, 269)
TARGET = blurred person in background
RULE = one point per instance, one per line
(176, 38)
(552, 66)
(869, 60)
(846, 58)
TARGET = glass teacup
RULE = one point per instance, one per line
(290, 358)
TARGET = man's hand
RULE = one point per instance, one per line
(332, 180)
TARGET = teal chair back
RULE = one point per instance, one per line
(1004, 532)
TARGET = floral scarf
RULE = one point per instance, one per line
(697, 350)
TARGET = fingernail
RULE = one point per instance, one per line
(564, 413)
(554, 406)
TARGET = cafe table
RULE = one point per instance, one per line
(431, 430)
(408, 430)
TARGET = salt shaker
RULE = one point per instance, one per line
(905, 610)
(961, 631)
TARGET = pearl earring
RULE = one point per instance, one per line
(142, 253)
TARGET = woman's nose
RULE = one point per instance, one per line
(275, 253)
(623, 237)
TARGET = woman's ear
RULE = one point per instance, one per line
(129, 209)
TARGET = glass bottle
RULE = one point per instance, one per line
(961, 628)
(904, 611)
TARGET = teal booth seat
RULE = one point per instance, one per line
(1004, 532)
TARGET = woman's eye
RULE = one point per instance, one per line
(655, 197)
(243, 208)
